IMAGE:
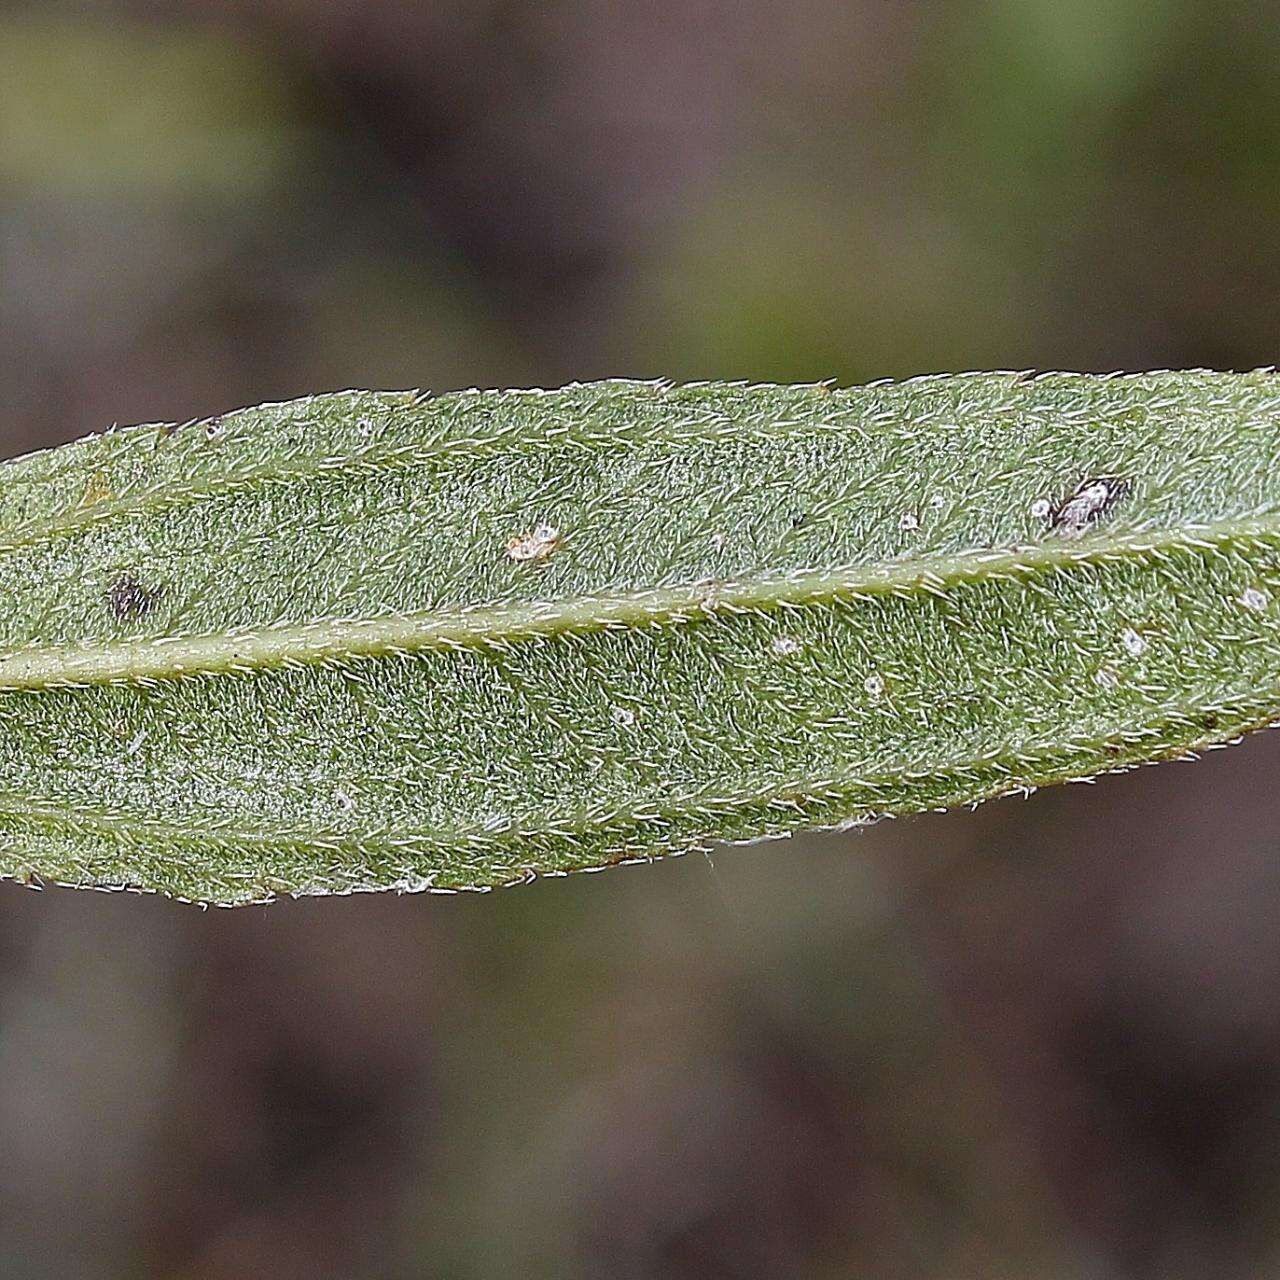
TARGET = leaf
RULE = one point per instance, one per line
(368, 641)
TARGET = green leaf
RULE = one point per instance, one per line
(368, 641)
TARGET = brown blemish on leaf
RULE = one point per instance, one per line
(129, 600)
(535, 546)
(96, 490)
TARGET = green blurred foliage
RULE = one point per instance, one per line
(96, 110)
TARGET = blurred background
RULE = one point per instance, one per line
(1042, 1039)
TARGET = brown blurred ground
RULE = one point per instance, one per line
(1039, 1040)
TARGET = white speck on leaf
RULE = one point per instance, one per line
(909, 522)
(1133, 642)
(1253, 599)
(1042, 508)
(1106, 678)
(623, 716)
(785, 646)
(874, 684)
(417, 884)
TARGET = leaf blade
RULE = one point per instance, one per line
(765, 607)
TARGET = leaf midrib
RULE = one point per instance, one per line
(244, 651)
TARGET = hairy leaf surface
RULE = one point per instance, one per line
(370, 640)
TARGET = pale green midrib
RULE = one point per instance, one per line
(978, 776)
(37, 667)
(178, 492)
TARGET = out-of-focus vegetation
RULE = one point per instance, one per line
(1042, 1039)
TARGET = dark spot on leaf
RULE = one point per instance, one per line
(1210, 721)
(799, 519)
(129, 600)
